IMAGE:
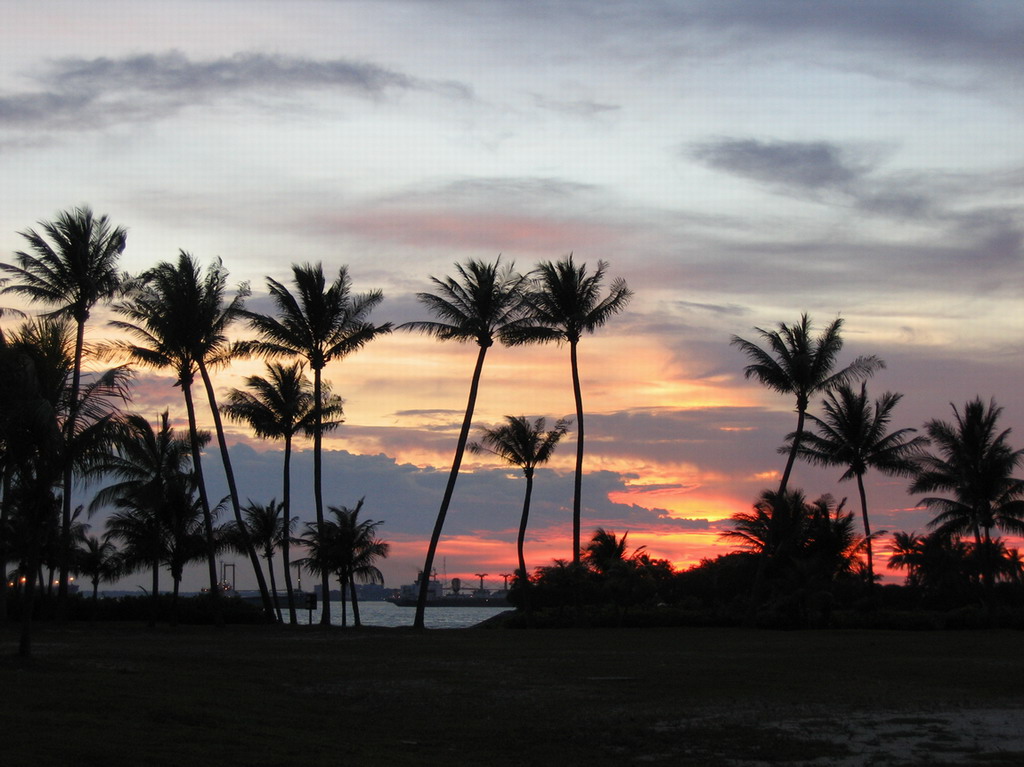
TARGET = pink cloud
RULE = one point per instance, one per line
(488, 231)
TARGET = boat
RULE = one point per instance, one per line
(408, 595)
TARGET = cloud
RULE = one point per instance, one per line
(807, 165)
(950, 34)
(173, 72)
(517, 215)
(93, 93)
(576, 108)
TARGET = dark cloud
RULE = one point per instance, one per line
(859, 34)
(486, 506)
(807, 165)
(90, 93)
(175, 73)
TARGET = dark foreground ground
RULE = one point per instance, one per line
(124, 695)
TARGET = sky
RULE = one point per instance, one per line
(737, 163)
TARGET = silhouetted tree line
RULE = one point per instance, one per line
(801, 562)
(62, 428)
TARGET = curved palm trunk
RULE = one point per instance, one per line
(801, 411)
(867, 530)
(64, 550)
(988, 570)
(356, 623)
(250, 550)
(204, 501)
(269, 554)
(174, 600)
(318, 494)
(524, 578)
(286, 542)
(577, 492)
(460, 449)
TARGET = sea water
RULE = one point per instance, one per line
(387, 614)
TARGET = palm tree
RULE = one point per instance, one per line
(70, 265)
(484, 302)
(181, 318)
(265, 524)
(854, 434)
(565, 303)
(347, 548)
(974, 462)
(98, 560)
(606, 551)
(320, 323)
(156, 515)
(32, 451)
(367, 551)
(796, 363)
(935, 563)
(44, 371)
(278, 407)
(526, 445)
(798, 544)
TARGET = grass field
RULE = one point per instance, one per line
(124, 695)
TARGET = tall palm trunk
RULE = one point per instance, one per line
(269, 554)
(460, 449)
(577, 491)
(355, 602)
(204, 500)
(988, 568)
(867, 530)
(524, 577)
(174, 600)
(250, 550)
(343, 588)
(286, 542)
(64, 550)
(318, 493)
(801, 415)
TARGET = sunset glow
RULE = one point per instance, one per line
(736, 163)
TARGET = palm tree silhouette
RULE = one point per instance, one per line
(798, 543)
(153, 494)
(46, 347)
(98, 560)
(348, 548)
(485, 301)
(796, 363)
(935, 563)
(854, 434)
(169, 534)
(527, 445)
(279, 407)
(606, 551)
(320, 323)
(265, 524)
(71, 265)
(564, 303)
(32, 447)
(973, 461)
(179, 317)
